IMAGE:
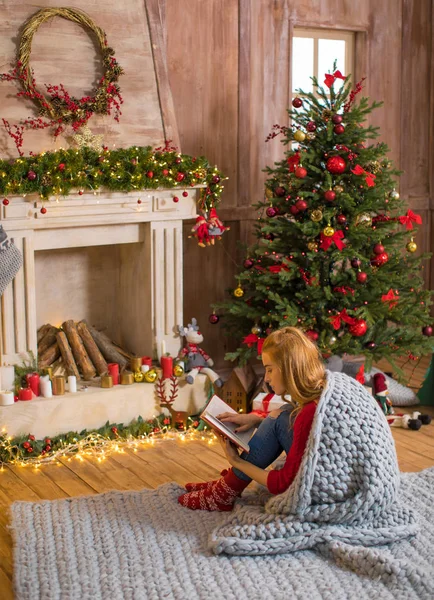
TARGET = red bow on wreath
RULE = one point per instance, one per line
(390, 298)
(409, 219)
(369, 177)
(342, 316)
(327, 240)
(330, 79)
(251, 339)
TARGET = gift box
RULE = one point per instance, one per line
(267, 402)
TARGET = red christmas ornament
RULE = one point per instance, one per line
(311, 126)
(339, 129)
(427, 330)
(43, 210)
(175, 199)
(180, 176)
(370, 345)
(330, 195)
(215, 179)
(312, 335)
(379, 259)
(213, 319)
(185, 194)
(301, 205)
(280, 191)
(61, 167)
(297, 102)
(337, 119)
(300, 172)
(356, 263)
(358, 328)
(134, 161)
(150, 174)
(80, 192)
(32, 438)
(31, 175)
(178, 160)
(271, 212)
(139, 201)
(165, 172)
(378, 249)
(336, 165)
(5, 201)
(248, 263)
(293, 210)
(362, 277)
(341, 219)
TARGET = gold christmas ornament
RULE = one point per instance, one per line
(394, 195)
(373, 166)
(256, 330)
(299, 136)
(178, 370)
(310, 136)
(238, 292)
(312, 246)
(364, 219)
(139, 376)
(151, 376)
(338, 189)
(411, 246)
(316, 215)
(87, 139)
(328, 231)
(269, 193)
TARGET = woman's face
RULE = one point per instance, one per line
(273, 375)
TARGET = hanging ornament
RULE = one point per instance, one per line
(411, 246)
(363, 219)
(248, 263)
(299, 136)
(337, 119)
(316, 215)
(311, 126)
(378, 249)
(301, 205)
(356, 263)
(336, 165)
(362, 277)
(269, 193)
(300, 172)
(151, 376)
(43, 210)
(338, 189)
(271, 211)
(293, 210)
(370, 345)
(297, 102)
(213, 319)
(215, 179)
(175, 199)
(379, 259)
(330, 195)
(178, 369)
(394, 195)
(280, 191)
(31, 175)
(328, 231)
(256, 330)
(238, 292)
(339, 129)
(5, 202)
(312, 246)
(341, 219)
(358, 328)
(427, 330)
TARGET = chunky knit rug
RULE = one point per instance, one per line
(145, 546)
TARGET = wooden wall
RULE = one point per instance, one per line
(229, 68)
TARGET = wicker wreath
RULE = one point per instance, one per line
(57, 104)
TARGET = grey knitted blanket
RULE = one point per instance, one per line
(145, 546)
(345, 492)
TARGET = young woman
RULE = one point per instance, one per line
(293, 365)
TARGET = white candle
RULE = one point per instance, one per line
(7, 377)
(144, 368)
(6, 398)
(163, 348)
(72, 383)
(44, 378)
(46, 388)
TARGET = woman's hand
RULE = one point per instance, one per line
(230, 451)
(244, 421)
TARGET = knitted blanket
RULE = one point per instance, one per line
(345, 493)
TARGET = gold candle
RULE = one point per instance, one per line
(127, 379)
(106, 381)
(135, 363)
(58, 385)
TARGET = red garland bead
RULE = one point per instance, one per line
(5, 201)
(362, 277)
(337, 119)
(32, 438)
(175, 199)
(215, 179)
(150, 174)
(356, 263)
(61, 167)
(180, 176)
(370, 345)
(297, 102)
(330, 195)
(341, 219)
(80, 192)
(311, 126)
(31, 175)
(139, 201)
(336, 165)
(301, 205)
(43, 210)
(359, 328)
(248, 263)
(300, 172)
(178, 160)
(339, 129)
(312, 335)
(185, 194)
(213, 319)
(378, 249)
(165, 172)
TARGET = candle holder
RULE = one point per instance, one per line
(106, 381)
(58, 386)
(135, 364)
(127, 379)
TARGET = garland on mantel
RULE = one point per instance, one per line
(66, 171)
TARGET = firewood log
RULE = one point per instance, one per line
(78, 350)
(42, 331)
(107, 348)
(50, 355)
(67, 356)
(48, 340)
(92, 349)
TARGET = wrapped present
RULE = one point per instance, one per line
(264, 403)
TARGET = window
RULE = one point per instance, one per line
(314, 52)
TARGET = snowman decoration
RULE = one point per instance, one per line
(195, 358)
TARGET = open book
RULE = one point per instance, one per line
(215, 407)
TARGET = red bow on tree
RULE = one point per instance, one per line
(251, 339)
(330, 79)
(409, 219)
(342, 316)
(345, 289)
(390, 298)
(369, 177)
(327, 240)
(293, 162)
(278, 268)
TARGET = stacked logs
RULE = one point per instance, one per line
(82, 350)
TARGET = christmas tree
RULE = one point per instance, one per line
(335, 253)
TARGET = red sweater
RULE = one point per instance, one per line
(279, 480)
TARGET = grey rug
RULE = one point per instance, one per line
(144, 545)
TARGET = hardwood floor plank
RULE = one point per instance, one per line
(67, 480)
(5, 586)
(141, 468)
(39, 482)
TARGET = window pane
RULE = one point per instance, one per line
(302, 63)
(328, 52)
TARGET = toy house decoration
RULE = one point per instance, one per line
(238, 389)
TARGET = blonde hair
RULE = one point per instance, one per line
(300, 364)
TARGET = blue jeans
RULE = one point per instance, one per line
(273, 436)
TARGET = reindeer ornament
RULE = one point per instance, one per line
(195, 358)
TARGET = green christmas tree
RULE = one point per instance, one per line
(334, 253)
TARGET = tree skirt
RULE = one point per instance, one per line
(144, 545)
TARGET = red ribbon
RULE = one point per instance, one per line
(330, 79)
(251, 339)
(327, 240)
(409, 219)
(345, 289)
(390, 298)
(369, 177)
(342, 316)
(278, 268)
(293, 162)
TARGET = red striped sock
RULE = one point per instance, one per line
(220, 495)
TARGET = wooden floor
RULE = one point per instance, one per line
(148, 468)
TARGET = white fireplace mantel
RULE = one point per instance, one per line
(149, 284)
